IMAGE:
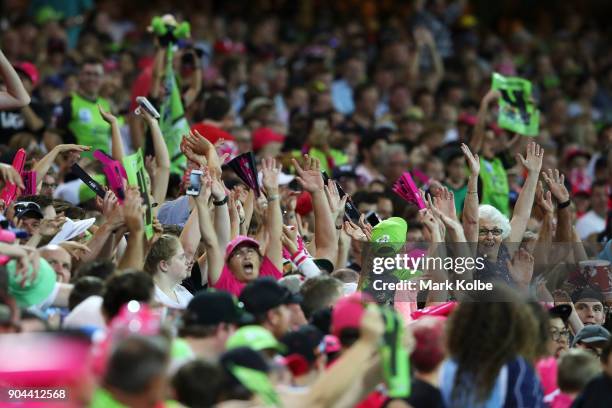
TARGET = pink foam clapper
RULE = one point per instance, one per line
(10, 190)
(114, 172)
(29, 181)
(443, 310)
(244, 167)
(407, 190)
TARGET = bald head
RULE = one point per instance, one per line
(60, 260)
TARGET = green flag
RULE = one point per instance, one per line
(172, 121)
(517, 111)
(394, 356)
(137, 176)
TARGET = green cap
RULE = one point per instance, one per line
(33, 291)
(254, 337)
(390, 233)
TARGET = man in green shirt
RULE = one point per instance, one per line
(456, 177)
(80, 121)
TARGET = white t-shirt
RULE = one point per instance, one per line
(590, 223)
(182, 294)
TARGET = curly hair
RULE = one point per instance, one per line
(483, 334)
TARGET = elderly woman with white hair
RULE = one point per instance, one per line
(498, 238)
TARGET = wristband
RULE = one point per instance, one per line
(563, 205)
(273, 197)
(221, 202)
(299, 258)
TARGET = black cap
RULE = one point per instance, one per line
(587, 293)
(561, 311)
(28, 209)
(266, 293)
(303, 342)
(346, 170)
(211, 308)
(324, 264)
(242, 357)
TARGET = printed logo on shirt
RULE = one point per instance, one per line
(85, 115)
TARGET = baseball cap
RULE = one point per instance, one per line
(29, 70)
(240, 240)
(587, 293)
(33, 291)
(254, 105)
(264, 136)
(28, 209)
(391, 233)
(347, 313)
(593, 333)
(561, 311)
(254, 337)
(346, 170)
(211, 308)
(266, 293)
(324, 264)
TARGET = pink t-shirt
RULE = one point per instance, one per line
(228, 282)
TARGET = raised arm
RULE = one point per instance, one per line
(15, 95)
(162, 159)
(117, 144)
(158, 72)
(274, 219)
(43, 165)
(214, 255)
(132, 213)
(522, 208)
(544, 201)
(221, 214)
(470, 205)
(477, 139)
(326, 239)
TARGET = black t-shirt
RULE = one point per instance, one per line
(423, 395)
(597, 393)
(13, 122)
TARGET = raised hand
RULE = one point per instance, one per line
(218, 189)
(544, 200)
(521, 267)
(75, 249)
(533, 160)
(289, 239)
(309, 176)
(270, 171)
(472, 160)
(365, 227)
(10, 175)
(133, 210)
(49, 227)
(355, 232)
(445, 203)
(336, 204)
(107, 116)
(556, 184)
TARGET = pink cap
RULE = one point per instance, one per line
(30, 70)
(239, 240)
(264, 136)
(347, 312)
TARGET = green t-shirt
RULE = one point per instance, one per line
(495, 188)
(87, 125)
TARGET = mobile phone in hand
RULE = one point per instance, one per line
(194, 183)
(372, 218)
(143, 103)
